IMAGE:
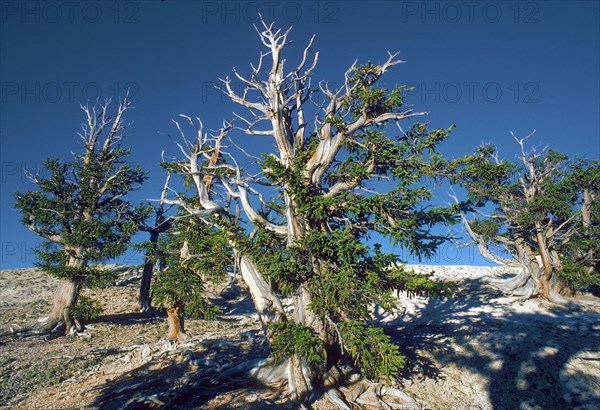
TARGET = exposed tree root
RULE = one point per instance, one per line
(341, 385)
(42, 329)
(347, 389)
(521, 285)
(524, 286)
(595, 304)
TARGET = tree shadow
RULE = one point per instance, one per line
(525, 357)
(417, 325)
(529, 358)
(186, 378)
(534, 368)
(235, 301)
(130, 318)
(190, 375)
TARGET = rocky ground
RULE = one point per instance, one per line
(480, 350)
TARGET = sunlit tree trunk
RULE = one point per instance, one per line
(586, 214)
(65, 296)
(546, 265)
(176, 322)
(267, 303)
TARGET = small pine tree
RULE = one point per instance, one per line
(193, 253)
(162, 223)
(80, 210)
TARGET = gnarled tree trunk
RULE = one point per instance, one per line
(302, 375)
(267, 303)
(66, 295)
(586, 214)
(546, 264)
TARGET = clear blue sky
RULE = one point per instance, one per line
(488, 67)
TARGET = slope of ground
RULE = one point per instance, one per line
(480, 350)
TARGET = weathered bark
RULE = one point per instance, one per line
(60, 319)
(175, 312)
(522, 285)
(546, 264)
(267, 303)
(66, 296)
(303, 315)
(549, 263)
(304, 377)
(588, 198)
(586, 214)
(301, 376)
(525, 284)
(301, 379)
(176, 322)
(536, 277)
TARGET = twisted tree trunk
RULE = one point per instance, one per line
(65, 297)
(267, 303)
(67, 292)
(303, 377)
(546, 264)
(586, 214)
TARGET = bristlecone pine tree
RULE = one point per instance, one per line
(194, 253)
(355, 173)
(194, 249)
(202, 170)
(80, 210)
(162, 223)
(544, 220)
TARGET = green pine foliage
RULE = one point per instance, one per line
(53, 260)
(86, 308)
(80, 206)
(554, 207)
(332, 260)
(372, 351)
(294, 339)
(580, 257)
(182, 282)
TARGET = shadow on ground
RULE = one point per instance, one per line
(205, 373)
(185, 379)
(131, 318)
(547, 359)
(528, 359)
